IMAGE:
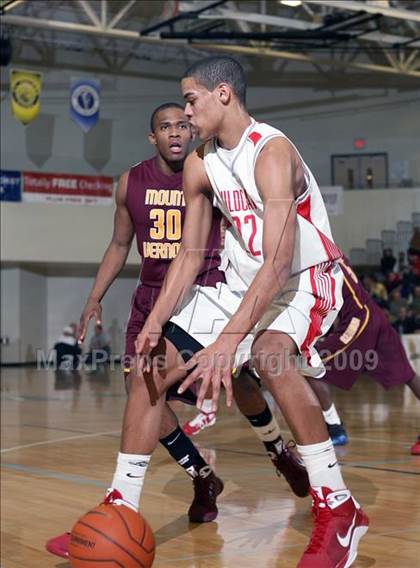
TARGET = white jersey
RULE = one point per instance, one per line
(231, 174)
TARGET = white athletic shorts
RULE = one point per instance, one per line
(305, 310)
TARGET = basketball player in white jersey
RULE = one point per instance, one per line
(281, 251)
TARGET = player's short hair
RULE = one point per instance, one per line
(211, 71)
(158, 109)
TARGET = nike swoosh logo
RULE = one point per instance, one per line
(133, 476)
(345, 540)
(330, 465)
(174, 440)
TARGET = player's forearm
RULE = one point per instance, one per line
(179, 279)
(267, 284)
(112, 263)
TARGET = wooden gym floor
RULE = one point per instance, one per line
(60, 438)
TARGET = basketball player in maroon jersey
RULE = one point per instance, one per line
(151, 206)
(363, 342)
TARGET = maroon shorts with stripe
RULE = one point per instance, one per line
(364, 343)
(142, 303)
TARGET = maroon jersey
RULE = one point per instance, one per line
(156, 204)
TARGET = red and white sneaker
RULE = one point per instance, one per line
(339, 525)
(59, 545)
(415, 448)
(200, 422)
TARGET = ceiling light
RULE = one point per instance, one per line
(6, 6)
(291, 3)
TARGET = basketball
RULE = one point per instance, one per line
(111, 536)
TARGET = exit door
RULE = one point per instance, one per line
(360, 171)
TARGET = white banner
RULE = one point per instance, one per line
(67, 188)
(333, 199)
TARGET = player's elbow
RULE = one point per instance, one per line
(282, 269)
(193, 257)
(120, 247)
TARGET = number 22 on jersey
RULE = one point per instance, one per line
(249, 226)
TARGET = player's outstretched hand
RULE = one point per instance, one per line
(92, 309)
(213, 366)
(146, 341)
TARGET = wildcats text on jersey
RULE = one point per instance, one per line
(237, 200)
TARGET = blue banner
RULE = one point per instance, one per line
(10, 185)
(84, 102)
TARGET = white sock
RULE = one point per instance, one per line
(322, 465)
(207, 406)
(331, 415)
(129, 477)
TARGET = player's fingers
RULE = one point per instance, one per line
(191, 363)
(81, 332)
(147, 363)
(153, 340)
(216, 379)
(141, 344)
(203, 390)
(84, 322)
(227, 381)
(139, 365)
(189, 380)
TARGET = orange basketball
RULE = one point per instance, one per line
(111, 536)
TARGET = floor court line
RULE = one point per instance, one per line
(370, 440)
(41, 427)
(253, 552)
(57, 440)
(87, 481)
(365, 464)
(53, 474)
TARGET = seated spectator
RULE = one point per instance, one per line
(415, 303)
(377, 290)
(406, 323)
(99, 348)
(411, 278)
(388, 261)
(393, 280)
(413, 253)
(415, 240)
(67, 349)
(395, 303)
(402, 265)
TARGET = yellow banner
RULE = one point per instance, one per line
(25, 90)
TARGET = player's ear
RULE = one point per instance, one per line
(224, 93)
(152, 138)
(194, 132)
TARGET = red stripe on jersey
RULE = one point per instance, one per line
(304, 210)
(254, 137)
(331, 248)
(323, 288)
(314, 316)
